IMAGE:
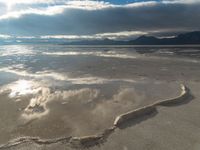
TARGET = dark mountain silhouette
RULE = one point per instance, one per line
(181, 39)
(147, 40)
(98, 42)
(191, 38)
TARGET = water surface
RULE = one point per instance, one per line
(49, 91)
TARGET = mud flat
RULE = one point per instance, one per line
(147, 133)
(150, 109)
(94, 140)
(106, 100)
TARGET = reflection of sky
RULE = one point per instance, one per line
(25, 58)
(42, 71)
(14, 50)
(21, 87)
(31, 71)
(58, 89)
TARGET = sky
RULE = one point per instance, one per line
(93, 19)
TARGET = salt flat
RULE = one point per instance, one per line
(79, 91)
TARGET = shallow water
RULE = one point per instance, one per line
(50, 91)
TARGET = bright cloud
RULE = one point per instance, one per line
(59, 6)
(116, 35)
(4, 36)
(88, 19)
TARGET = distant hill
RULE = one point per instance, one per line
(192, 38)
(98, 42)
(181, 39)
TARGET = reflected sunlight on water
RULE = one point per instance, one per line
(20, 88)
(16, 50)
(76, 91)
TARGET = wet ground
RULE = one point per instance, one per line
(51, 91)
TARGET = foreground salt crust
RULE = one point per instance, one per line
(93, 140)
(134, 114)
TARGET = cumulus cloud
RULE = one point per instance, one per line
(94, 19)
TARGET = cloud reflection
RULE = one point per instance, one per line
(41, 95)
(123, 100)
(20, 88)
(50, 74)
(38, 105)
(109, 54)
(11, 50)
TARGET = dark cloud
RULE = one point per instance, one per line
(157, 18)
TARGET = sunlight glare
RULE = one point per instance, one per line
(9, 4)
(21, 87)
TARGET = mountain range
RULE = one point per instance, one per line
(181, 39)
(190, 38)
